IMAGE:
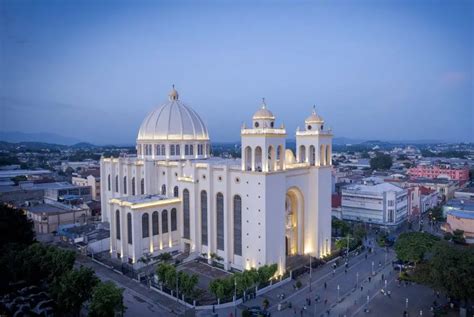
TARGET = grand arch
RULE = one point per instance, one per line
(294, 224)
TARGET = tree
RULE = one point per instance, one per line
(452, 270)
(216, 287)
(15, 227)
(165, 257)
(107, 299)
(74, 288)
(381, 162)
(458, 236)
(413, 246)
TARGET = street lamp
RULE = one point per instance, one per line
(406, 303)
(385, 285)
(310, 272)
(338, 297)
(235, 297)
(372, 267)
(357, 279)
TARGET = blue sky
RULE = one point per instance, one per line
(392, 70)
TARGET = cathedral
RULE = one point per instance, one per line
(173, 196)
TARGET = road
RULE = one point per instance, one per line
(140, 300)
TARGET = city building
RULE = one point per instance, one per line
(465, 193)
(251, 211)
(48, 217)
(382, 204)
(457, 173)
(91, 178)
(458, 204)
(460, 220)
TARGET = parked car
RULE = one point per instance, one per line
(401, 265)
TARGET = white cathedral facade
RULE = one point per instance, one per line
(257, 210)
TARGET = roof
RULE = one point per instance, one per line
(461, 214)
(460, 203)
(375, 189)
(174, 120)
(46, 208)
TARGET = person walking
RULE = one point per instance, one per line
(325, 285)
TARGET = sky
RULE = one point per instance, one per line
(386, 70)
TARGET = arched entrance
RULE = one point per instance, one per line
(294, 213)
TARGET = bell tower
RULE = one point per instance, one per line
(263, 145)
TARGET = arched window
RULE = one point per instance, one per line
(312, 155)
(125, 184)
(237, 225)
(145, 226)
(321, 156)
(116, 184)
(186, 218)
(176, 191)
(178, 150)
(302, 153)
(204, 217)
(108, 183)
(142, 186)
(328, 155)
(133, 186)
(117, 224)
(129, 228)
(248, 158)
(258, 159)
(163, 189)
(164, 221)
(174, 220)
(155, 228)
(220, 221)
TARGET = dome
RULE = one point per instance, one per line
(173, 121)
(263, 113)
(314, 117)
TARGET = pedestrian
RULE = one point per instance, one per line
(301, 312)
(325, 285)
(366, 256)
(361, 288)
(383, 277)
(370, 279)
(326, 301)
(345, 271)
(333, 272)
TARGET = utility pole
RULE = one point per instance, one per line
(235, 297)
(310, 272)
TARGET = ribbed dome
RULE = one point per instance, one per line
(173, 121)
(263, 113)
(314, 117)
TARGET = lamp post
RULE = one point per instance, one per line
(357, 279)
(310, 272)
(386, 254)
(235, 297)
(372, 267)
(338, 297)
(368, 298)
(406, 303)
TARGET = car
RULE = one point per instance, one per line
(256, 311)
(403, 266)
(283, 305)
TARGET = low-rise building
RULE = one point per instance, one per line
(90, 178)
(380, 204)
(458, 204)
(48, 217)
(458, 173)
(464, 193)
(460, 220)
